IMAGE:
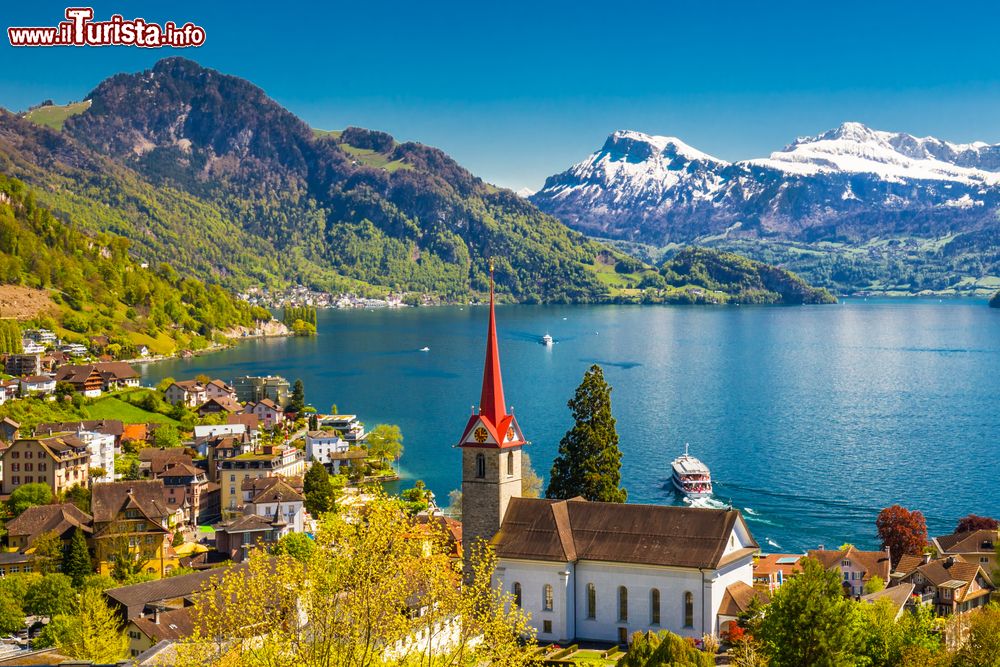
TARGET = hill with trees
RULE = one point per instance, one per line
(95, 287)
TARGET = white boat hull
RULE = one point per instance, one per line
(691, 494)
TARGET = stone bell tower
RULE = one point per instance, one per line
(491, 452)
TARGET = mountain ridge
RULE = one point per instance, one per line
(849, 187)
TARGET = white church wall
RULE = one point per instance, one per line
(639, 580)
(533, 576)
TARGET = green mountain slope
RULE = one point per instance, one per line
(731, 277)
(96, 287)
(355, 204)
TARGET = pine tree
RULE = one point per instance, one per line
(589, 461)
(318, 490)
(76, 561)
(298, 397)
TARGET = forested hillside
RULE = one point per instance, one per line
(96, 287)
(204, 167)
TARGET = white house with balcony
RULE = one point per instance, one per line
(327, 448)
(601, 571)
(102, 453)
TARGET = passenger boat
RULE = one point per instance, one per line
(691, 477)
(546, 340)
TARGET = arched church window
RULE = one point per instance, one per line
(547, 597)
(480, 466)
(517, 593)
(689, 610)
(510, 464)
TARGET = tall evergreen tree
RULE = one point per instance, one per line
(318, 489)
(589, 461)
(76, 561)
(298, 397)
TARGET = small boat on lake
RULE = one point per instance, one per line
(691, 477)
(546, 340)
(425, 349)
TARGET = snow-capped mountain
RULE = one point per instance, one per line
(850, 183)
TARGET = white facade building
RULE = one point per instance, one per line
(321, 446)
(102, 453)
(601, 571)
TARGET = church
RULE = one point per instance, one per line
(590, 570)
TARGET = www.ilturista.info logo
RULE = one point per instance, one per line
(79, 29)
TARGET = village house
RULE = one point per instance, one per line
(177, 592)
(23, 364)
(770, 571)
(252, 389)
(117, 375)
(189, 393)
(590, 570)
(269, 461)
(186, 488)
(112, 427)
(86, 379)
(62, 520)
(131, 521)
(37, 384)
(236, 537)
(219, 404)
(15, 562)
(279, 501)
(899, 596)
(59, 461)
(975, 546)
(350, 429)
(10, 430)
(219, 389)
(144, 632)
(102, 453)
(154, 461)
(9, 390)
(330, 450)
(950, 584)
(267, 411)
(856, 567)
(91, 379)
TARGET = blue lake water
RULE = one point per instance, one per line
(811, 418)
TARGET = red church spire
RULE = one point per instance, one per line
(491, 402)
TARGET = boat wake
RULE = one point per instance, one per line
(772, 543)
(706, 503)
(749, 510)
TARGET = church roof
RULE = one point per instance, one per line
(571, 530)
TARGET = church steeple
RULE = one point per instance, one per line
(491, 450)
(491, 401)
(493, 426)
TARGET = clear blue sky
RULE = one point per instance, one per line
(516, 92)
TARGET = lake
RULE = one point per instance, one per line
(812, 418)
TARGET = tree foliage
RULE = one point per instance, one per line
(76, 560)
(589, 461)
(810, 622)
(318, 490)
(348, 604)
(91, 632)
(976, 522)
(97, 285)
(385, 443)
(903, 531)
(29, 495)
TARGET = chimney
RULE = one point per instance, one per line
(949, 561)
(156, 615)
(927, 558)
